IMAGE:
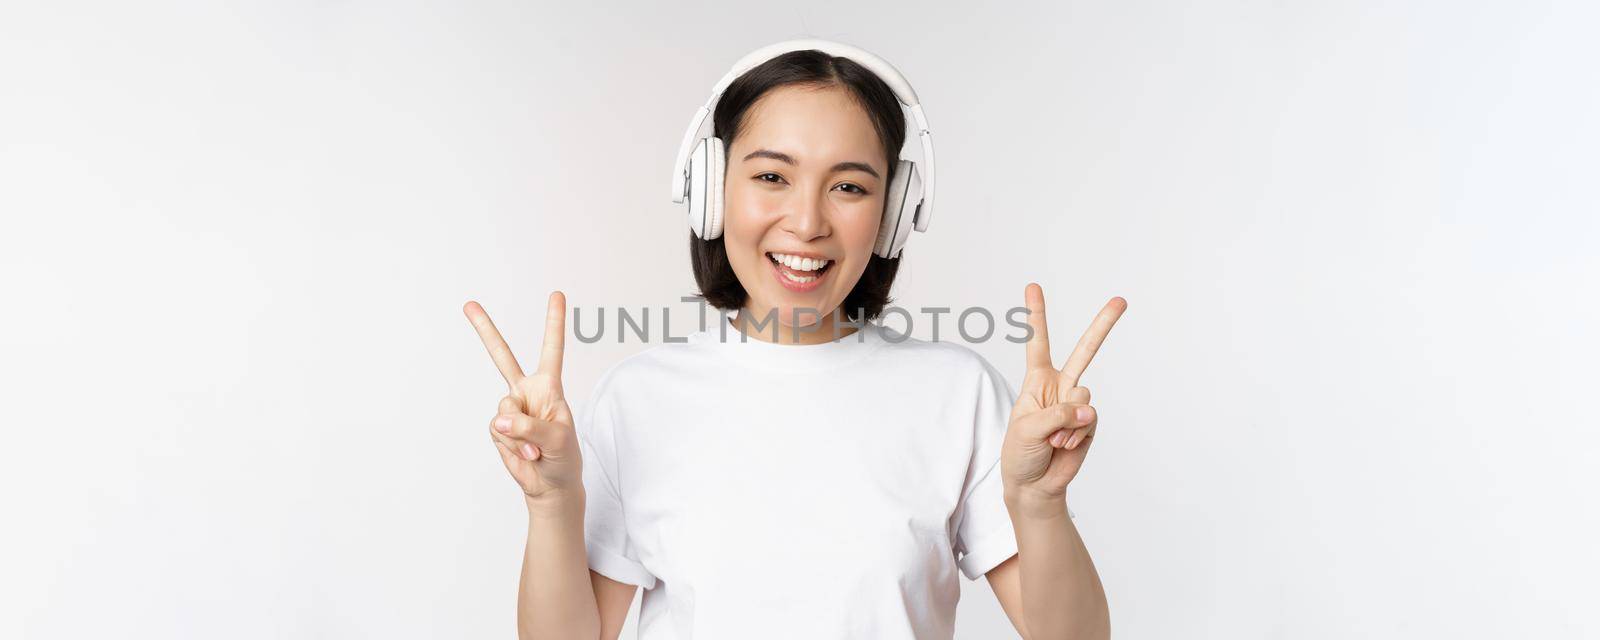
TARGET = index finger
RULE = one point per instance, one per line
(555, 335)
(1092, 339)
(1038, 347)
(499, 351)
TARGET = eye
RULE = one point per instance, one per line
(858, 189)
(763, 178)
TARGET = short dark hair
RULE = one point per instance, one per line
(719, 286)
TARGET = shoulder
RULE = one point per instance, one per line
(952, 362)
(942, 357)
(659, 364)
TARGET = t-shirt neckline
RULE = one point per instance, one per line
(736, 346)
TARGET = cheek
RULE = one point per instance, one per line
(744, 222)
(740, 209)
(859, 229)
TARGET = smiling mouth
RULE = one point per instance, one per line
(799, 272)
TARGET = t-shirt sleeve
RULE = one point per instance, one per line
(984, 534)
(605, 531)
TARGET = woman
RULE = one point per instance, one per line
(765, 479)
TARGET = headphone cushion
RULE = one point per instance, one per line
(716, 172)
(898, 209)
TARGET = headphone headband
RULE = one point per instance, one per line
(878, 66)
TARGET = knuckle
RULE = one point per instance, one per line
(521, 426)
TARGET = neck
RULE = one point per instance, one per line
(826, 329)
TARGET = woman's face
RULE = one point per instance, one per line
(802, 201)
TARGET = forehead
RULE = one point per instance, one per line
(810, 123)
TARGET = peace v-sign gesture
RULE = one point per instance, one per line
(1052, 423)
(533, 427)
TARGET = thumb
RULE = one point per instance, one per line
(1039, 425)
(512, 404)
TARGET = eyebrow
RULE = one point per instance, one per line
(786, 158)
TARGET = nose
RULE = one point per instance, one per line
(808, 218)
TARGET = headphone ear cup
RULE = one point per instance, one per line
(899, 209)
(715, 174)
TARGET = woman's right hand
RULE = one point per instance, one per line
(533, 427)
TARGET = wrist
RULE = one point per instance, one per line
(1034, 504)
(553, 504)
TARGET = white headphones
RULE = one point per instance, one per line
(698, 173)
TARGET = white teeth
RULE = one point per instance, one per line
(794, 278)
(800, 264)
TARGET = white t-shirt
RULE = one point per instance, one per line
(761, 490)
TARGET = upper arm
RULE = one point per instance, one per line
(1006, 581)
(613, 600)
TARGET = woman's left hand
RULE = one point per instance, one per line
(1052, 422)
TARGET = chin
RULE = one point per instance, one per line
(783, 310)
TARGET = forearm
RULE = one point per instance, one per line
(556, 598)
(1062, 597)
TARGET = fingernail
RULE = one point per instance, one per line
(1084, 413)
(527, 451)
(1055, 440)
(503, 424)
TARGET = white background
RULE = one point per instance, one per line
(1351, 396)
